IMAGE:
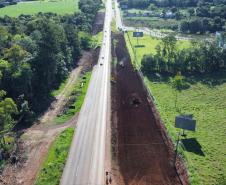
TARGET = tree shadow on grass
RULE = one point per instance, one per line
(139, 46)
(155, 77)
(41, 106)
(192, 145)
(211, 80)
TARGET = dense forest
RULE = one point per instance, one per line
(37, 52)
(200, 58)
(191, 16)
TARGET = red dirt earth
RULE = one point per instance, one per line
(141, 154)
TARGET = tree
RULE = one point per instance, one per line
(7, 109)
(177, 84)
(4, 36)
(191, 11)
(74, 42)
(184, 26)
(149, 64)
(195, 26)
(169, 47)
(50, 61)
(86, 40)
(16, 54)
(37, 52)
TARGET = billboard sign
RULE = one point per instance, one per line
(138, 34)
(185, 123)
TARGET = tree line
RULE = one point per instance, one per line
(200, 17)
(175, 3)
(202, 25)
(37, 52)
(200, 58)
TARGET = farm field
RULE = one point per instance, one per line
(203, 150)
(32, 7)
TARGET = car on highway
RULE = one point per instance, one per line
(122, 64)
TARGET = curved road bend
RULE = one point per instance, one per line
(85, 163)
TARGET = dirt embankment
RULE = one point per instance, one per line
(142, 155)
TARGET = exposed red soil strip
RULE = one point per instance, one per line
(142, 153)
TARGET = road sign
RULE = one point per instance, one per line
(185, 123)
(138, 34)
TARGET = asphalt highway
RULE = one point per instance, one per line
(86, 161)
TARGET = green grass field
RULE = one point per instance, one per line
(205, 149)
(147, 45)
(32, 7)
(53, 166)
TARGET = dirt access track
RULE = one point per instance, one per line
(140, 153)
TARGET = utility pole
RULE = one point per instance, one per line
(137, 30)
(176, 151)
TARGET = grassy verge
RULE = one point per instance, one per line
(203, 150)
(75, 99)
(113, 26)
(32, 7)
(53, 166)
(97, 40)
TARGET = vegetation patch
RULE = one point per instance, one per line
(195, 17)
(32, 7)
(97, 40)
(113, 26)
(53, 166)
(75, 99)
(146, 45)
(203, 150)
(37, 52)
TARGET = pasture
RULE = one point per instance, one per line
(32, 7)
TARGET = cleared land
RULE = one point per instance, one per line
(204, 150)
(32, 7)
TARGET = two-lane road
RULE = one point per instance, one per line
(86, 161)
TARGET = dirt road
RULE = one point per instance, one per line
(140, 153)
